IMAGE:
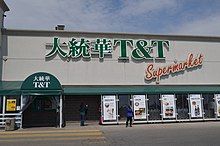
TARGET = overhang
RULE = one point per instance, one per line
(147, 89)
(10, 87)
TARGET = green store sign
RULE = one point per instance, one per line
(41, 81)
(140, 49)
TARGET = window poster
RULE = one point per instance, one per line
(217, 100)
(109, 107)
(168, 105)
(196, 105)
(11, 105)
(139, 106)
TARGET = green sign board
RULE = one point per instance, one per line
(85, 48)
(41, 81)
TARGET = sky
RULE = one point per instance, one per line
(181, 17)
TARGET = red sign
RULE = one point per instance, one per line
(191, 62)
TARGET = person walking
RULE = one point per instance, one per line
(129, 114)
(82, 111)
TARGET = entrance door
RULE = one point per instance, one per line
(72, 105)
(41, 112)
(154, 106)
(209, 105)
(124, 101)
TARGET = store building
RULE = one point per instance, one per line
(46, 75)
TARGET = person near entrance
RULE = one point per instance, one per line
(129, 114)
(86, 111)
(82, 112)
(57, 116)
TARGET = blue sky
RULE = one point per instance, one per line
(182, 17)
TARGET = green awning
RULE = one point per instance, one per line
(41, 83)
(14, 88)
(147, 89)
(10, 87)
(41, 92)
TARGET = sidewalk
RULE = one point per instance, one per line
(89, 125)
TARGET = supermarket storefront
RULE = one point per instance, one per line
(163, 77)
(160, 104)
(46, 75)
(156, 103)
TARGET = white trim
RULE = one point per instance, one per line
(61, 111)
(4, 103)
(11, 114)
(21, 125)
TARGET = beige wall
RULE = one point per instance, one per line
(1, 48)
(26, 55)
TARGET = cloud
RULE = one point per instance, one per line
(137, 16)
(140, 7)
(83, 15)
(75, 14)
(208, 25)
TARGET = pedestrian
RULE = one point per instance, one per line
(129, 114)
(82, 111)
(86, 111)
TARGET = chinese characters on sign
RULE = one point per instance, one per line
(41, 81)
(139, 50)
(82, 48)
(142, 49)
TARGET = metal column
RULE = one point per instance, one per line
(21, 110)
(61, 111)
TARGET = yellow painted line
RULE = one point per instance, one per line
(49, 131)
(51, 135)
(53, 139)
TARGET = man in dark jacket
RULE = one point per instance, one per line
(129, 115)
(82, 111)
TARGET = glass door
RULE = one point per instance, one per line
(124, 101)
(182, 106)
(42, 111)
(154, 107)
(209, 105)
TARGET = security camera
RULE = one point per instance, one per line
(5, 58)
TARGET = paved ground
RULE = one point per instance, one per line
(172, 134)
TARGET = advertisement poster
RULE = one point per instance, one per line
(196, 105)
(168, 102)
(217, 100)
(139, 107)
(109, 107)
(11, 105)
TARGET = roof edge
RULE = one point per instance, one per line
(63, 33)
(4, 6)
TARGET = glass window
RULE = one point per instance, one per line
(154, 107)
(124, 100)
(209, 105)
(42, 104)
(182, 106)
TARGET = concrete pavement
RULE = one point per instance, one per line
(181, 134)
